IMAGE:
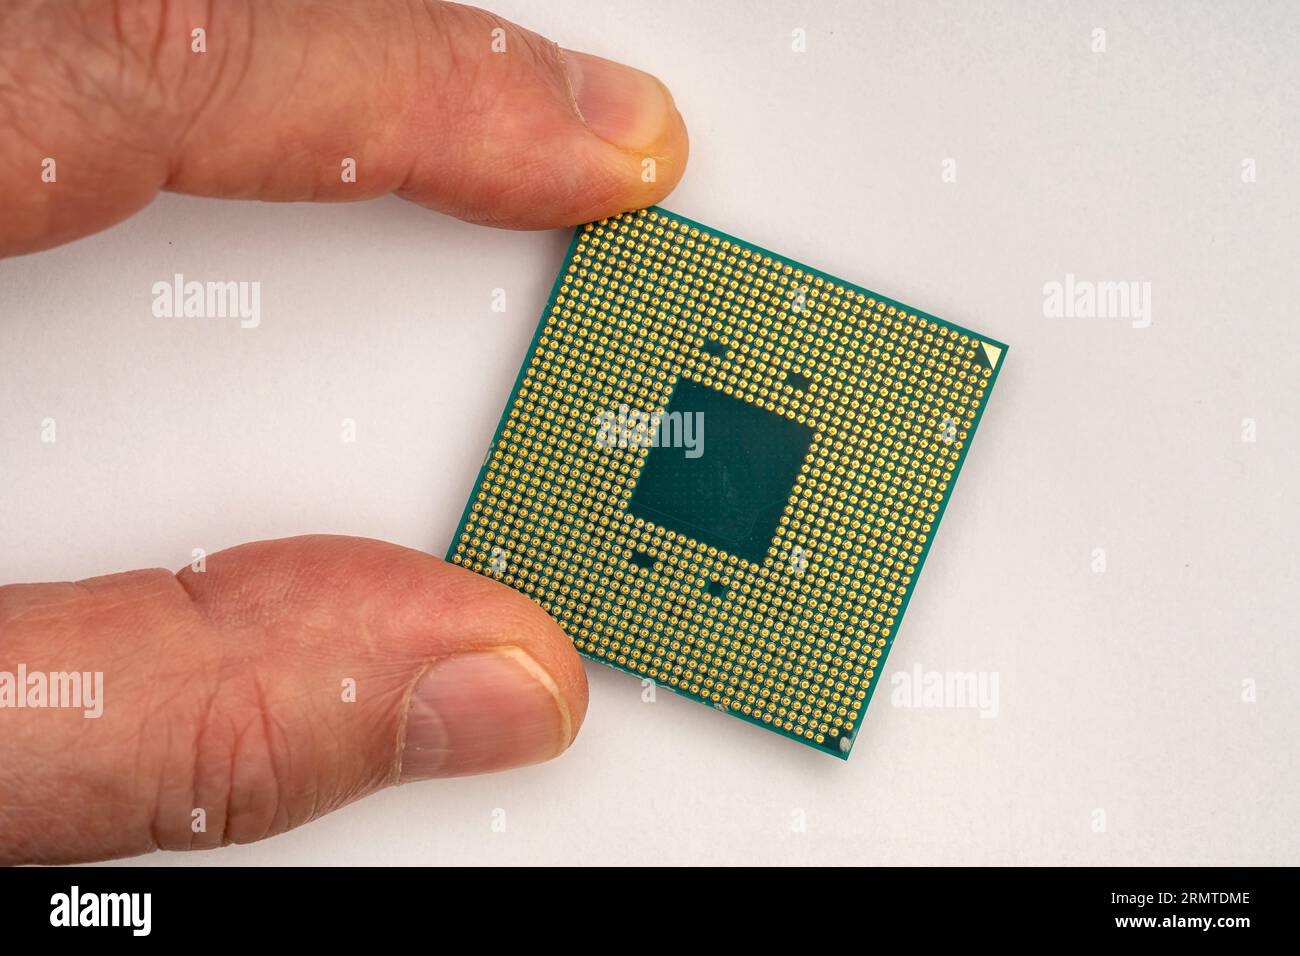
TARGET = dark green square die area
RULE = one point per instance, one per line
(731, 495)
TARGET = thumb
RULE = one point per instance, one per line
(446, 105)
(283, 681)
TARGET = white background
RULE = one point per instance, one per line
(1118, 691)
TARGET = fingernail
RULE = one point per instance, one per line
(483, 711)
(621, 105)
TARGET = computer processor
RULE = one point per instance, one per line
(721, 470)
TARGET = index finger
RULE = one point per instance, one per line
(446, 105)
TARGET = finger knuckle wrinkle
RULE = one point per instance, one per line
(240, 788)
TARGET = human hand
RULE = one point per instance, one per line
(289, 677)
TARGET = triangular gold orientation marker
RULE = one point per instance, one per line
(992, 353)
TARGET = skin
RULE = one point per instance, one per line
(224, 688)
